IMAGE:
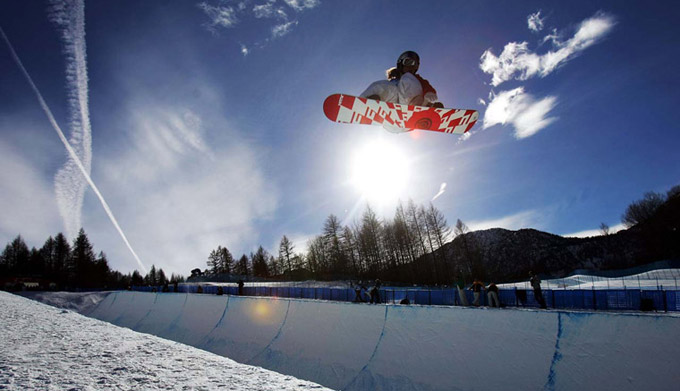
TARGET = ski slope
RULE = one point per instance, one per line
(349, 346)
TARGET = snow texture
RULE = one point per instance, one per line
(350, 346)
(46, 348)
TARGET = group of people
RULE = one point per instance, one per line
(404, 85)
(492, 292)
(477, 287)
(362, 294)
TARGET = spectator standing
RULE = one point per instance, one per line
(492, 295)
(359, 293)
(476, 288)
(375, 293)
(538, 293)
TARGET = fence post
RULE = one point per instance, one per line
(665, 303)
(594, 299)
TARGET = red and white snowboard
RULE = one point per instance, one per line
(395, 117)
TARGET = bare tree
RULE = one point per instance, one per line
(641, 210)
(604, 229)
(286, 249)
(331, 234)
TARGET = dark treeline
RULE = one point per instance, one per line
(400, 250)
(403, 249)
(61, 265)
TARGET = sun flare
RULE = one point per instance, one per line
(379, 171)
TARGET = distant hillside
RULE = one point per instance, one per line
(504, 255)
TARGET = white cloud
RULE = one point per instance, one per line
(535, 22)
(256, 17)
(220, 16)
(525, 219)
(27, 203)
(521, 110)
(301, 5)
(180, 195)
(268, 10)
(518, 62)
(594, 232)
(283, 29)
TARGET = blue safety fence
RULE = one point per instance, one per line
(605, 300)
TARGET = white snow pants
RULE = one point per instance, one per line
(493, 299)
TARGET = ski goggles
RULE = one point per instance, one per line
(409, 62)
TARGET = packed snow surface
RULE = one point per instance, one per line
(47, 348)
(356, 347)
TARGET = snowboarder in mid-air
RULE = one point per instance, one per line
(404, 85)
(404, 101)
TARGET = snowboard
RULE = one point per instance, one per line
(394, 117)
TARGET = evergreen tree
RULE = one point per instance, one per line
(136, 279)
(176, 278)
(273, 266)
(259, 260)
(102, 271)
(214, 261)
(15, 257)
(48, 254)
(242, 268)
(162, 279)
(151, 277)
(81, 271)
(62, 256)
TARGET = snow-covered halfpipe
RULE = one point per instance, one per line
(349, 346)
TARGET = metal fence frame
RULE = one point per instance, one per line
(593, 299)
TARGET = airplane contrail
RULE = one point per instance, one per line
(70, 149)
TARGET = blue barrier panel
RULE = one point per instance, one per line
(657, 298)
(673, 300)
(612, 299)
(449, 297)
(437, 297)
(422, 297)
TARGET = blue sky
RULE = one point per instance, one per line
(201, 122)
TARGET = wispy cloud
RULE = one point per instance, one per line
(518, 62)
(231, 14)
(269, 10)
(283, 29)
(219, 16)
(28, 204)
(70, 184)
(190, 194)
(73, 154)
(521, 110)
(301, 5)
(442, 189)
(525, 219)
(535, 22)
(594, 232)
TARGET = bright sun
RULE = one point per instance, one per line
(379, 171)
